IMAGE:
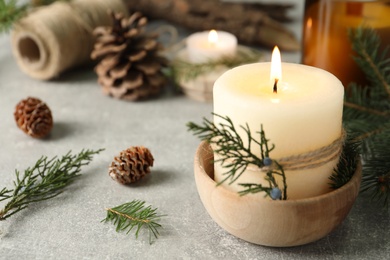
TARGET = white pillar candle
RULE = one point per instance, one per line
(210, 45)
(305, 114)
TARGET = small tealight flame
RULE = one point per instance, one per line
(309, 23)
(276, 68)
(213, 37)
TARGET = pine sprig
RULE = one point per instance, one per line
(347, 164)
(45, 180)
(272, 184)
(237, 156)
(367, 113)
(376, 167)
(185, 71)
(366, 43)
(374, 100)
(134, 215)
(11, 11)
(229, 145)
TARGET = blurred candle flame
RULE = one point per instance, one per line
(213, 37)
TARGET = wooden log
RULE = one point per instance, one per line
(253, 24)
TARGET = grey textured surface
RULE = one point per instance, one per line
(68, 227)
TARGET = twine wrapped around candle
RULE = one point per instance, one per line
(311, 159)
(308, 160)
(52, 39)
(314, 158)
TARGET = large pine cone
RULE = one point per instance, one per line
(131, 165)
(130, 66)
(34, 117)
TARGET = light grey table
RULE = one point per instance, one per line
(68, 227)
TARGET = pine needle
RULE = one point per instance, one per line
(11, 11)
(376, 167)
(366, 43)
(237, 156)
(134, 215)
(367, 113)
(347, 163)
(45, 180)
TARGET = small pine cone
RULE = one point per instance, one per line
(34, 117)
(131, 165)
(130, 65)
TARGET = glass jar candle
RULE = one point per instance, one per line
(325, 33)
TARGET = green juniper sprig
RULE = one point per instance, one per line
(229, 145)
(132, 215)
(367, 112)
(272, 190)
(45, 180)
(236, 156)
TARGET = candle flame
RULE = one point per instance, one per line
(276, 67)
(213, 37)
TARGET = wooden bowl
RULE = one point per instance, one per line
(201, 87)
(267, 222)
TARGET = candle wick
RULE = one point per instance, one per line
(276, 86)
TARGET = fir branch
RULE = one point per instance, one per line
(367, 109)
(366, 43)
(132, 215)
(185, 71)
(45, 180)
(376, 168)
(367, 113)
(347, 164)
(11, 12)
(237, 156)
(366, 135)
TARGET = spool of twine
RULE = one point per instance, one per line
(54, 38)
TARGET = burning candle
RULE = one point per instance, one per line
(210, 45)
(302, 115)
